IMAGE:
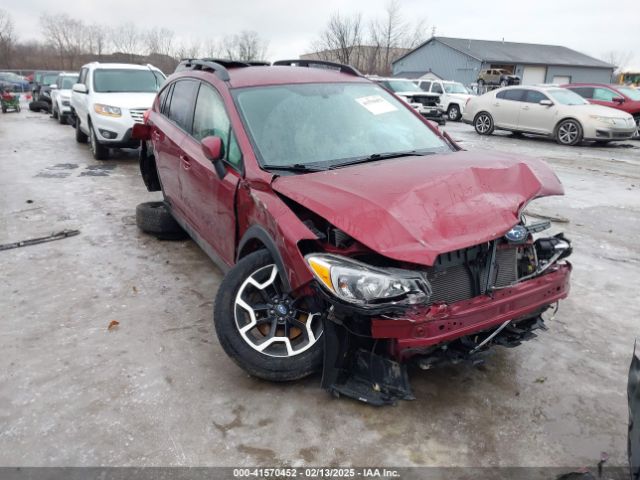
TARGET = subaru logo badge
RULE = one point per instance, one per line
(517, 234)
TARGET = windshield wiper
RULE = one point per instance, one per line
(374, 157)
(296, 167)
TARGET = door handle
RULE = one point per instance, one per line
(155, 134)
(496, 104)
(186, 162)
(526, 107)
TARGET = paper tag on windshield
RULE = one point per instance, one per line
(376, 104)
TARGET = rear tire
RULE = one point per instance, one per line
(237, 292)
(454, 113)
(156, 219)
(99, 151)
(483, 123)
(81, 137)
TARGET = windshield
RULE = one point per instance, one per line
(125, 80)
(49, 78)
(401, 86)
(68, 81)
(567, 97)
(330, 124)
(455, 88)
(630, 92)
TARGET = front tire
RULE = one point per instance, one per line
(100, 152)
(483, 123)
(568, 132)
(266, 331)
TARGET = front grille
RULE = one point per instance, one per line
(137, 114)
(463, 274)
(426, 100)
(65, 103)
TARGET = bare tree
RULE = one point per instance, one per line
(340, 38)
(127, 39)
(7, 38)
(617, 58)
(188, 49)
(159, 40)
(247, 46)
(212, 48)
(392, 36)
(97, 39)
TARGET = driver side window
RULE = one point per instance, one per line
(210, 119)
(436, 88)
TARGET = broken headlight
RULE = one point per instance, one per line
(365, 285)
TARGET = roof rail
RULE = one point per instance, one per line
(342, 68)
(217, 65)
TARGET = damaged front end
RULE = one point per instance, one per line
(381, 317)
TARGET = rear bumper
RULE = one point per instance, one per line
(422, 328)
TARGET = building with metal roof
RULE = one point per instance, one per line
(462, 59)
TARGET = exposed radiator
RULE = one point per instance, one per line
(452, 281)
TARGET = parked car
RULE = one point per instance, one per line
(633, 396)
(426, 104)
(41, 88)
(620, 97)
(13, 82)
(108, 100)
(61, 96)
(453, 95)
(346, 223)
(552, 111)
(497, 76)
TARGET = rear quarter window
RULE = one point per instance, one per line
(182, 101)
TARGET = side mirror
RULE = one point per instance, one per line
(212, 149)
(618, 99)
(546, 103)
(80, 88)
(53, 86)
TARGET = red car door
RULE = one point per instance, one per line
(168, 134)
(208, 200)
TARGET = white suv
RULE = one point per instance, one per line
(108, 99)
(61, 96)
(453, 95)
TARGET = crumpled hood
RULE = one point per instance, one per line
(413, 209)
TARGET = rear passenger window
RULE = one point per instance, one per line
(210, 119)
(181, 106)
(584, 92)
(513, 94)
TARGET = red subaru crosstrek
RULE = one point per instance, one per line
(354, 235)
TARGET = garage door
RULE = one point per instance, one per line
(561, 79)
(533, 74)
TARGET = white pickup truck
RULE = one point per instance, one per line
(453, 95)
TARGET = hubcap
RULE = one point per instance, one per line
(453, 113)
(568, 132)
(483, 123)
(272, 322)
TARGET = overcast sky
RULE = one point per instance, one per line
(290, 26)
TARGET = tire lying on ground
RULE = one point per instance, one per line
(154, 218)
(38, 106)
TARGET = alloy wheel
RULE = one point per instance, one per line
(568, 132)
(483, 123)
(272, 322)
(453, 113)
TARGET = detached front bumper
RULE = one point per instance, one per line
(422, 328)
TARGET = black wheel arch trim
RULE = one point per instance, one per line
(256, 232)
